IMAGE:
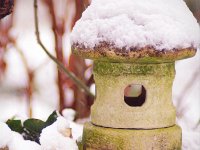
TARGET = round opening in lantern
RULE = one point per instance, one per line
(135, 95)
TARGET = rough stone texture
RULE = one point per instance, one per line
(144, 55)
(99, 138)
(110, 110)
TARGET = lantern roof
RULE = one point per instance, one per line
(136, 31)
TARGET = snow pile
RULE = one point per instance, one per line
(54, 137)
(57, 136)
(163, 24)
(69, 114)
(77, 129)
(5, 135)
(15, 141)
(18, 143)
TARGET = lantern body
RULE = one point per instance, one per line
(110, 108)
(117, 123)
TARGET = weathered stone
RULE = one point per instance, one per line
(110, 109)
(100, 138)
(141, 55)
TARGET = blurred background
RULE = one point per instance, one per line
(32, 86)
(30, 83)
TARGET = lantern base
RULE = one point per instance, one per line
(100, 138)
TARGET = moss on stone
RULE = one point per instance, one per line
(99, 138)
(110, 109)
(116, 69)
(150, 126)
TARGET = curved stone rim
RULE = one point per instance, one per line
(95, 137)
(144, 55)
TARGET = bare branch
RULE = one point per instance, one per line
(77, 81)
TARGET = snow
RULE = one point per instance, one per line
(15, 141)
(69, 114)
(18, 143)
(53, 137)
(5, 135)
(77, 130)
(165, 24)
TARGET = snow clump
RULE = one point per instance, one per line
(54, 137)
(14, 141)
(162, 24)
(5, 135)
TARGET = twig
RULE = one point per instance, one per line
(78, 82)
(30, 75)
(58, 31)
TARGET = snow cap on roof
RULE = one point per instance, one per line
(161, 24)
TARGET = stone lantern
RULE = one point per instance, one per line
(133, 107)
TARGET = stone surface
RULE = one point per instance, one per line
(110, 109)
(143, 55)
(100, 138)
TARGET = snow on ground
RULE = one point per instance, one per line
(18, 143)
(5, 135)
(163, 24)
(14, 141)
(54, 137)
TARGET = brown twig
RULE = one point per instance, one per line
(78, 82)
(30, 75)
(58, 31)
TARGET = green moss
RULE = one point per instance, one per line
(111, 79)
(99, 138)
(116, 69)
(80, 145)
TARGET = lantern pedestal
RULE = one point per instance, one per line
(100, 138)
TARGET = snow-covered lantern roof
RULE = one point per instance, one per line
(134, 45)
(136, 31)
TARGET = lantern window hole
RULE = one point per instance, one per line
(135, 95)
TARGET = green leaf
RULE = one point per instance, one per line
(32, 128)
(15, 125)
(34, 125)
(51, 119)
